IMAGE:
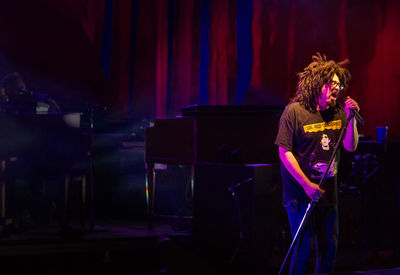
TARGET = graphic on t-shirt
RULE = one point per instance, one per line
(325, 142)
(320, 158)
(322, 126)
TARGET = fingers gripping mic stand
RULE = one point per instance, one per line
(310, 206)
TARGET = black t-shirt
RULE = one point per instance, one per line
(311, 138)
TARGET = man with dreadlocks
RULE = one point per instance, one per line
(309, 128)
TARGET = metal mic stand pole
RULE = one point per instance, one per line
(310, 206)
(92, 226)
(233, 189)
(91, 174)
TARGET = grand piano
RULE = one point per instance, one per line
(223, 145)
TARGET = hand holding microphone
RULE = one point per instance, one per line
(351, 107)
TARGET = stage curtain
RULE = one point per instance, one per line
(183, 61)
(287, 33)
(222, 51)
(160, 73)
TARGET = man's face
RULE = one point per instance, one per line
(330, 92)
(14, 88)
(325, 140)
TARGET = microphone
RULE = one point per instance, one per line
(357, 115)
(233, 187)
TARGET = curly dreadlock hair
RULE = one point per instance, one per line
(311, 80)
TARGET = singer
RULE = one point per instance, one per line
(309, 128)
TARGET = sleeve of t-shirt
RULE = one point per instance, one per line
(286, 130)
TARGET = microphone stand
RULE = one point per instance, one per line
(91, 168)
(91, 113)
(310, 207)
(233, 189)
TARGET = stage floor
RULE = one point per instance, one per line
(129, 247)
(110, 247)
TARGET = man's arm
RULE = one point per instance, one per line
(350, 140)
(313, 191)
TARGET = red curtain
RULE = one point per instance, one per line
(162, 60)
(181, 92)
(167, 51)
(222, 71)
(285, 36)
(373, 39)
(120, 54)
(287, 33)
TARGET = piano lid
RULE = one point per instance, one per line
(196, 110)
